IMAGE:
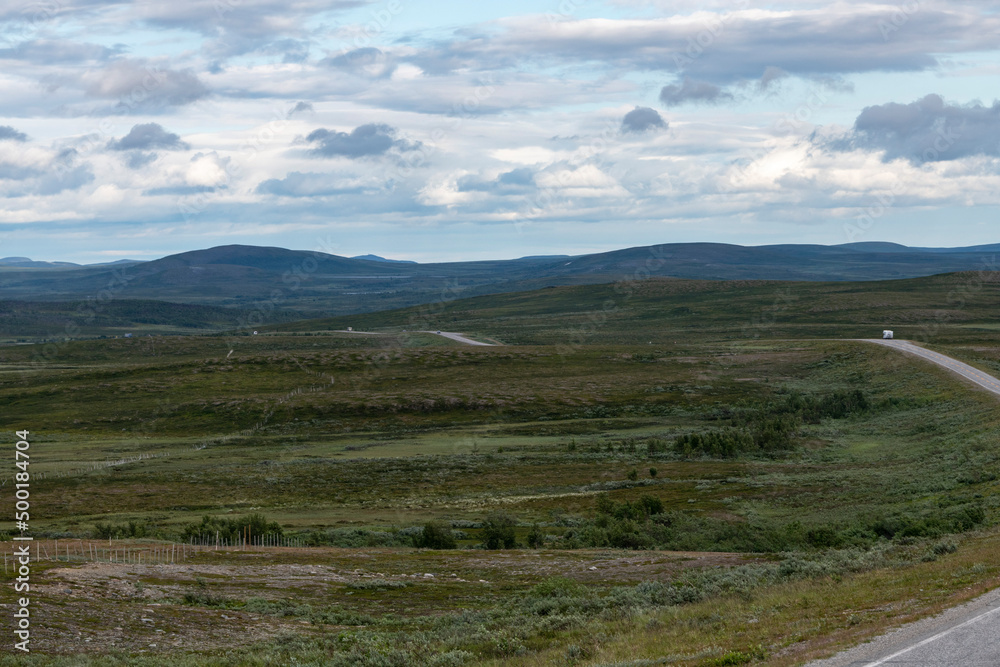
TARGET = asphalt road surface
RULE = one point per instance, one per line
(458, 337)
(966, 636)
(447, 334)
(975, 375)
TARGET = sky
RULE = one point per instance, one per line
(446, 130)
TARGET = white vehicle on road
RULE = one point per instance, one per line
(887, 333)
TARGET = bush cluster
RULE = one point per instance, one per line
(435, 536)
(360, 537)
(498, 532)
(254, 527)
(105, 530)
(771, 428)
(643, 524)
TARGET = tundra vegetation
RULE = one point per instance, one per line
(747, 491)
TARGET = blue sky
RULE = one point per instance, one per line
(460, 130)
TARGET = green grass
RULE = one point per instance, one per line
(957, 306)
(31, 321)
(450, 430)
(358, 441)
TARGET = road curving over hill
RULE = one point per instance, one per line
(459, 338)
(984, 380)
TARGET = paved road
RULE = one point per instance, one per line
(447, 334)
(966, 636)
(458, 337)
(975, 375)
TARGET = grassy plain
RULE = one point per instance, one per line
(943, 308)
(354, 442)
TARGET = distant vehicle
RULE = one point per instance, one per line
(887, 333)
(350, 328)
(437, 332)
(254, 333)
(128, 335)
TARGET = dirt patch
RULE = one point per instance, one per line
(96, 607)
(603, 566)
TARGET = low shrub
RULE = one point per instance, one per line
(535, 537)
(769, 428)
(435, 536)
(253, 528)
(132, 529)
(498, 532)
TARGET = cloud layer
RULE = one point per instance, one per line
(929, 129)
(642, 119)
(268, 122)
(148, 136)
(7, 133)
(363, 141)
(692, 91)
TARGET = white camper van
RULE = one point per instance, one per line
(887, 333)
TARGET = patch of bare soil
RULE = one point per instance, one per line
(98, 607)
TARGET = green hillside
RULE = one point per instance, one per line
(667, 467)
(664, 310)
(29, 321)
(278, 279)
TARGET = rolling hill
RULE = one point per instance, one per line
(273, 279)
(31, 321)
(663, 310)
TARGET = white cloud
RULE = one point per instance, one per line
(528, 155)
(139, 84)
(512, 119)
(208, 170)
(444, 191)
(105, 196)
(407, 72)
(584, 181)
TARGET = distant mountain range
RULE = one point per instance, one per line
(316, 283)
(376, 258)
(25, 262)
